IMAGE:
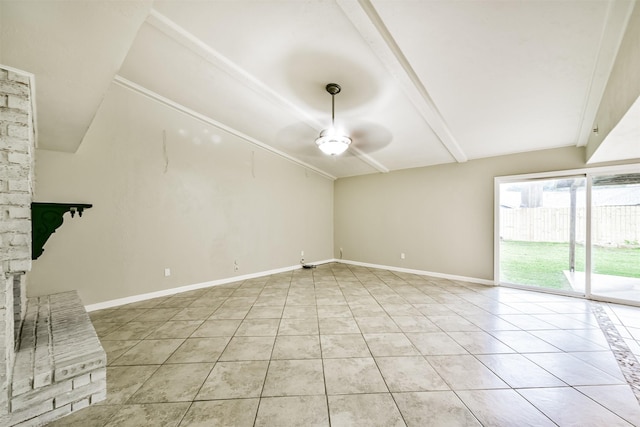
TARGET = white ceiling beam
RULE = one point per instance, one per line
(121, 81)
(367, 159)
(215, 58)
(618, 14)
(367, 21)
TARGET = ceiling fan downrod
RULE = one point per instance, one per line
(329, 141)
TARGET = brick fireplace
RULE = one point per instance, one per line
(51, 361)
(17, 140)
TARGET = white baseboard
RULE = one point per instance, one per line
(419, 272)
(167, 292)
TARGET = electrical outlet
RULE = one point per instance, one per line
(301, 253)
(167, 272)
(402, 255)
(236, 267)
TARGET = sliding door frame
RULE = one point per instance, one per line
(587, 173)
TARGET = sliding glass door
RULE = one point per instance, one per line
(615, 237)
(542, 233)
(576, 232)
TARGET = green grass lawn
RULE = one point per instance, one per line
(542, 263)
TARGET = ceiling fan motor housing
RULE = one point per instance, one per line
(333, 88)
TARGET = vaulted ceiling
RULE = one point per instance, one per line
(423, 82)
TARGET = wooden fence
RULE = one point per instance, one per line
(612, 225)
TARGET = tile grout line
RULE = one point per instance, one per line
(322, 358)
(386, 292)
(275, 338)
(402, 416)
(624, 356)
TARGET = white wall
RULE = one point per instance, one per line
(441, 217)
(195, 204)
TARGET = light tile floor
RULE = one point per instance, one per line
(352, 346)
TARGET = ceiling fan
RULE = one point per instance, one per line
(358, 136)
(331, 140)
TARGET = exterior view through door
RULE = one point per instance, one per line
(574, 232)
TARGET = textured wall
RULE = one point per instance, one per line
(169, 191)
(16, 159)
(16, 183)
(441, 217)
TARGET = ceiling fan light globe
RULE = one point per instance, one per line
(333, 145)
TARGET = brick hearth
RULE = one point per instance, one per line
(51, 361)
